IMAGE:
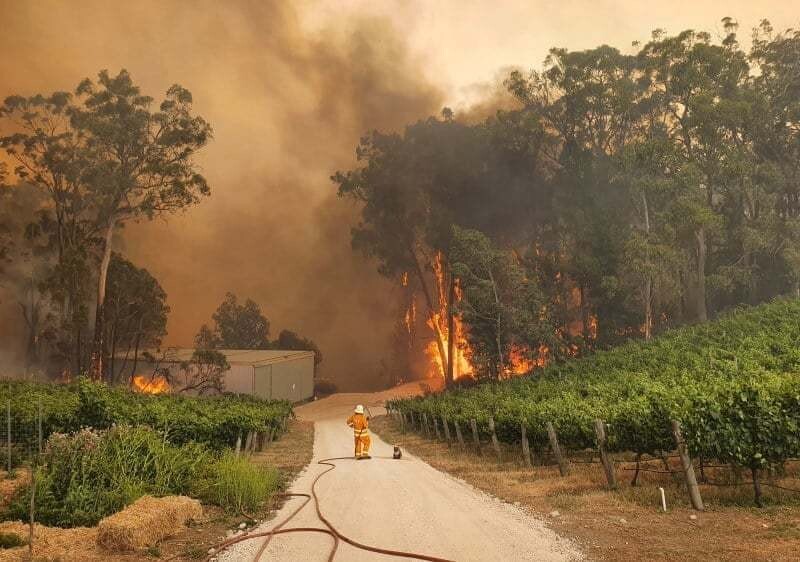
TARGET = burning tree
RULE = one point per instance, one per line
(508, 326)
(413, 188)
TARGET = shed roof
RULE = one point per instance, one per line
(254, 357)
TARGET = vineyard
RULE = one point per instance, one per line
(214, 421)
(732, 385)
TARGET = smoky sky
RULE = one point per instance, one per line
(287, 106)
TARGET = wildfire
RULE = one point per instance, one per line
(461, 365)
(519, 361)
(150, 385)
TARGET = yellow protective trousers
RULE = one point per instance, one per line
(362, 444)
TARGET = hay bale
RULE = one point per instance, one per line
(147, 521)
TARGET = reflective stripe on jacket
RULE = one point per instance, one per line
(359, 424)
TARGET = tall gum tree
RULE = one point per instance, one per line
(141, 163)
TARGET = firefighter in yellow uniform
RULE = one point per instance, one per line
(360, 424)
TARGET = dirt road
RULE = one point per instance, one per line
(400, 505)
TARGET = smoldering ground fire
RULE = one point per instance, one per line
(287, 106)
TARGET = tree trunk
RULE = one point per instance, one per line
(431, 313)
(757, 486)
(135, 356)
(451, 340)
(701, 311)
(648, 284)
(648, 308)
(584, 313)
(96, 367)
(498, 328)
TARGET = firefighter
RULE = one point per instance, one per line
(360, 424)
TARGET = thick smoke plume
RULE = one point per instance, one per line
(287, 105)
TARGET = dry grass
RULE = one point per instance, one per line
(292, 452)
(627, 524)
(10, 483)
(146, 522)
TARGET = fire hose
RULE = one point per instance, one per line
(330, 530)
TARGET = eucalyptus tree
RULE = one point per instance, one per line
(105, 156)
(504, 310)
(775, 132)
(136, 316)
(142, 162)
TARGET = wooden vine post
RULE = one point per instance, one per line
(474, 425)
(425, 423)
(402, 422)
(688, 468)
(495, 441)
(446, 429)
(436, 428)
(608, 462)
(459, 436)
(563, 466)
(526, 446)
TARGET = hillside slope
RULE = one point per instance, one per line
(732, 383)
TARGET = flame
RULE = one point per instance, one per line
(150, 385)
(461, 365)
(411, 316)
(518, 363)
(404, 279)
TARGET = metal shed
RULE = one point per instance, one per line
(273, 374)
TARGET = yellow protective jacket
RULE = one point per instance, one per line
(359, 424)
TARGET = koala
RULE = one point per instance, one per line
(397, 453)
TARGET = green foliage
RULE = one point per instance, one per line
(500, 305)
(237, 484)
(236, 326)
(89, 474)
(732, 383)
(215, 421)
(136, 313)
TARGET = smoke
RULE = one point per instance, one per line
(288, 105)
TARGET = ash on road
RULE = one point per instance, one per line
(401, 505)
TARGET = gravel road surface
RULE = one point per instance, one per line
(398, 504)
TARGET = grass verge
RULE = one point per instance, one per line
(627, 524)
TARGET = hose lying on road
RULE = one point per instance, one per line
(330, 530)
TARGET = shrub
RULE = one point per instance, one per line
(11, 540)
(215, 421)
(238, 485)
(90, 474)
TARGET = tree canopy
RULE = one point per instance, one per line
(625, 194)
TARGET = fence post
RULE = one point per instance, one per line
(425, 423)
(238, 444)
(459, 436)
(32, 511)
(495, 442)
(402, 422)
(688, 468)
(271, 434)
(39, 426)
(563, 466)
(436, 427)
(608, 463)
(526, 446)
(446, 429)
(474, 425)
(8, 442)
